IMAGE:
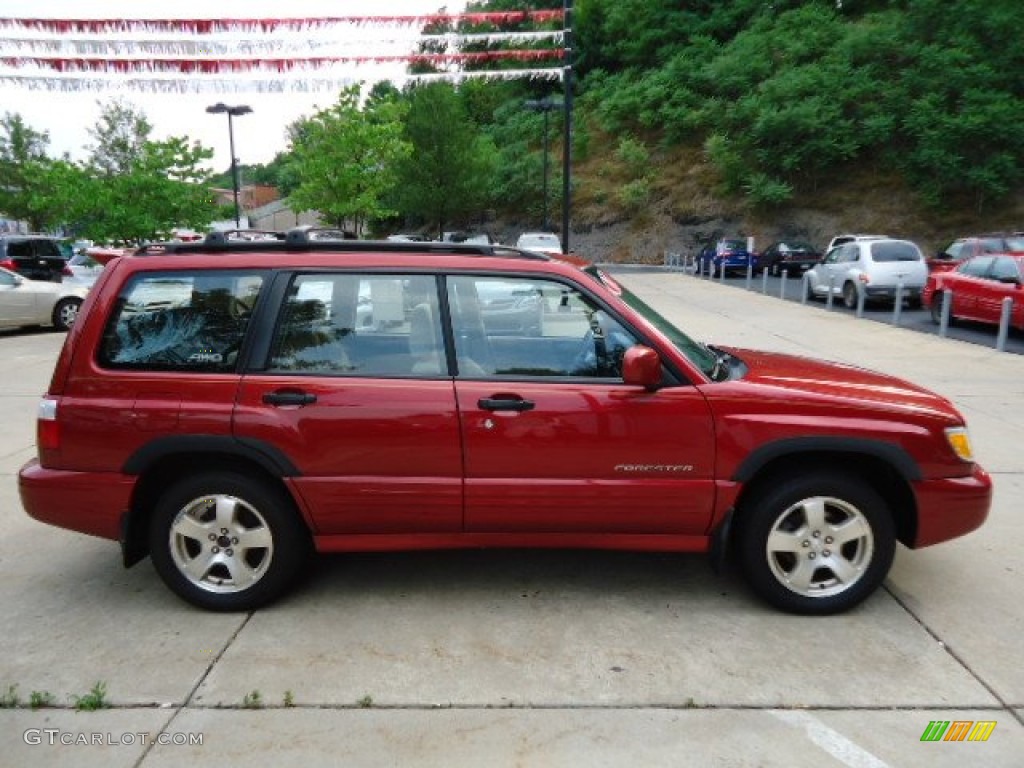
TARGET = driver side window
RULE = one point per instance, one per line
(524, 327)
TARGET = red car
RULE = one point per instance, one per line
(964, 248)
(226, 409)
(978, 288)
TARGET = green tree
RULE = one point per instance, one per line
(120, 134)
(24, 167)
(345, 159)
(166, 187)
(445, 177)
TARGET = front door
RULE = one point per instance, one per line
(554, 441)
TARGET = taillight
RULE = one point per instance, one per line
(47, 427)
(8, 264)
(66, 272)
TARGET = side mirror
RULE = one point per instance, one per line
(641, 367)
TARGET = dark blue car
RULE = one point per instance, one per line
(727, 255)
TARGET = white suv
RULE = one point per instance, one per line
(875, 267)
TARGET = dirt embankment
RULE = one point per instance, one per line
(680, 207)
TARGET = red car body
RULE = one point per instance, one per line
(657, 459)
(979, 287)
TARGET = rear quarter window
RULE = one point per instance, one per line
(187, 322)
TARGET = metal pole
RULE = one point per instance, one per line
(1004, 324)
(567, 139)
(234, 169)
(546, 110)
(947, 306)
(897, 307)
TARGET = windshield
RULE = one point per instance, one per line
(697, 353)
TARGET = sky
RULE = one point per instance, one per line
(67, 116)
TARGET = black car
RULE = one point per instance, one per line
(37, 257)
(792, 256)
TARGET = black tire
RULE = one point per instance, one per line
(850, 296)
(65, 313)
(231, 507)
(814, 564)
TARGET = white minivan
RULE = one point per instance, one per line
(876, 267)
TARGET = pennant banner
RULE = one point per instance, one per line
(210, 26)
(90, 47)
(213, 66)
(226, 85)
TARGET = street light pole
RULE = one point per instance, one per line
(232, 112)
(567, 126)
(544, 105)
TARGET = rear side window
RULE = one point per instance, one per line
(894, 251)
(347, 324)
(181, 321)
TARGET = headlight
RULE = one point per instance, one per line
(960, 442)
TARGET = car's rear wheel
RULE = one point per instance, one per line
(65, 313)
(817, 544)
(227, 541)
(850, 296)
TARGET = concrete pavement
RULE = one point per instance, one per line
(533, 658)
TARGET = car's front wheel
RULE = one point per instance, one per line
(227, 541)
(65, 313)
(817, 544)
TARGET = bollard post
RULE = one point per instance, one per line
(862, 297)
(897, 307)
(805, 289)
(764, 282)
(831, 290)
(721, 271)
(1004, 324)
(750, 272)
(782, 284)
(947, 307)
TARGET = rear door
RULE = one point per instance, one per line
(554, 441)
(352, 386)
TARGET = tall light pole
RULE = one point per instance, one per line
(567, 126)
(544, 105)
(232, 112)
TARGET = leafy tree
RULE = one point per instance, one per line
(166, 187)
(445, 177)
(120, 135)
(23, 165)
(345, 159)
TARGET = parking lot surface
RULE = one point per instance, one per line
(520, 658)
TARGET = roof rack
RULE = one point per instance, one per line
(325, 239)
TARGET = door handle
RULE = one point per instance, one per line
(289, 397)
(505, 404)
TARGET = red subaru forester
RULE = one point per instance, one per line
(229, 407)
